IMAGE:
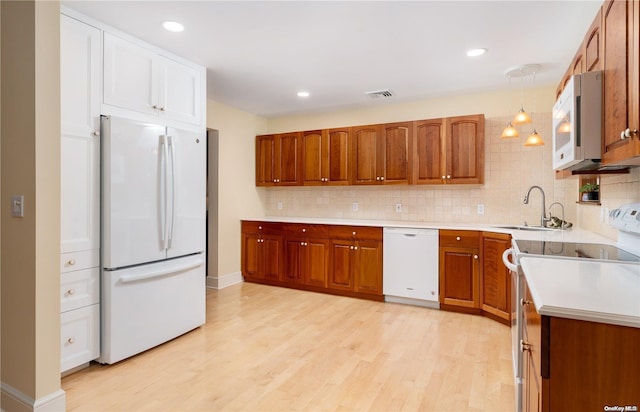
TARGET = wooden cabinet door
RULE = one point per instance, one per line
(289, 158)
(251, 265)
(428, 152)
(338, 152)
(620, 83)
(341, 269)
(464, 149)
(294, 260)
(270, 253)
(394, 152)
(592, 45)
(317, 262)
(314, 163)
(365, 155)
(265, 160)
(496, 281)
(459, 285)
(368, 267)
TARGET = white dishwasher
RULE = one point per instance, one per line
(410, 266)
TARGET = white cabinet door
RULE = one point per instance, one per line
(79, 336)
(130, 76)
(138, 79)
(80, 66)
(179, 94)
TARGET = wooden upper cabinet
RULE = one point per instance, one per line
(278, 159)
(381, 153)
(428, 152)
(464, 147)
(365, 155)
(592, 45)
(621, 82)
(326, 157)
(396, 141)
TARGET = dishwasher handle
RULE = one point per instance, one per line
(505, 259)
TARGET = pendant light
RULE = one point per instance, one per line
(509, 131)
(521, 117)
(534, 138)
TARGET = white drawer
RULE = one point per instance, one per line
(79, 288)
(79, 336)
(79, 260)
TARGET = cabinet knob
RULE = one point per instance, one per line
(524, 346)
(71, 341)
(524, 302)
(355, 248)
(351, 247)
(628, 133)
(71, 262)
(448, 176)
(378, 178)
(260, 227)
(71, 292)
(162, 109)
(304, 230)
(354, 233)
(381, 177)
(475, 257)
(155, 106)
(458, 238)
(95, 133)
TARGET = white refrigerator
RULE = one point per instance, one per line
(153, 235)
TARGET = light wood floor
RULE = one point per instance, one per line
(273, 349)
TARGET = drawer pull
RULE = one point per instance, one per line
(71, 262)
(354, 233)
(458, 238)
(304, 230)
(71, 292)
(71, 341)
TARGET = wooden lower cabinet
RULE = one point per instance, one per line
(578, 365)
(333, 259)
(495, 296)
(460, 270)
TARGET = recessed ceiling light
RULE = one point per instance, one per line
(303, 94)
(476, 52)
(173, 26)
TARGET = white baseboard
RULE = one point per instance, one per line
(15, 401)
(224, 281)
(411, 301)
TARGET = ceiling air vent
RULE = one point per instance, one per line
(377, 94)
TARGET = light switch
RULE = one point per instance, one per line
(17, 206)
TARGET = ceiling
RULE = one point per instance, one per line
(260, 54)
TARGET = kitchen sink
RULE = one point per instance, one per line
(522, 227)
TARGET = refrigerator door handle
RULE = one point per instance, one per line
(172, 192)
(163, 195)
(161, 272)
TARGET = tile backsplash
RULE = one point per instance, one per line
(510, 169)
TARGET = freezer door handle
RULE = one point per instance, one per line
(172, 191)
(161, 272)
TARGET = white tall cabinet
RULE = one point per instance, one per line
(80, 90)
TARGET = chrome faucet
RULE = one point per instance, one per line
(543, 211)
(562, 222)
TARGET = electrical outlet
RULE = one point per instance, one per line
(279, 205)
(354, 206)
(480, 209)
(399, 207)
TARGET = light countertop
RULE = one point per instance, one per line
(570, 235)
(585, 290)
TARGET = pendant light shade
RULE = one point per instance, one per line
(521, 117)
(509, 132)
(534, 139)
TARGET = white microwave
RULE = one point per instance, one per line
(577, 123)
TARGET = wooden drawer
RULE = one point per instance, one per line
(79, 336)
(460, 238)
(79, 288)
(79, 260)
(305, 230)
(260, 227)
(355, 232)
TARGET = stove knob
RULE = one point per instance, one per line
(614, 213)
